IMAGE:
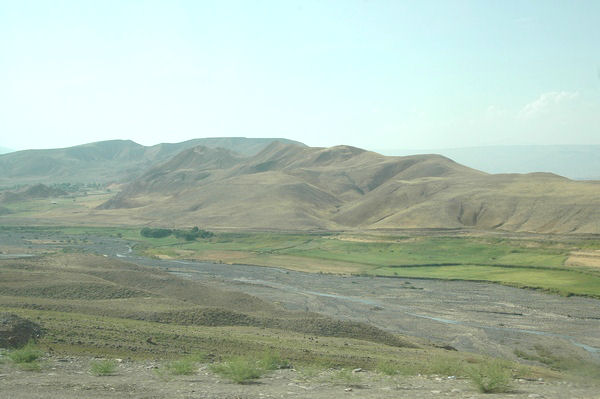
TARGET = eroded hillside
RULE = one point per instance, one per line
(286, 186)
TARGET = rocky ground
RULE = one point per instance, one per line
(469, 316)
(70, 378)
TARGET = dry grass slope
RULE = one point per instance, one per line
(287, 186)
(95, 285)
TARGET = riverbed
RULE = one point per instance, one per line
(468, 316)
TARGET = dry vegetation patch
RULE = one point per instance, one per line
(584, 258)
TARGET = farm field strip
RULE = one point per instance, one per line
(525, 263)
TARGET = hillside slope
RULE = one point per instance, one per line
(287, 186)
(107, 161)
(579, 162)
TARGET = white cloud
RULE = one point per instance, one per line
(549, 102)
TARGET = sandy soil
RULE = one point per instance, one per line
(69, 378)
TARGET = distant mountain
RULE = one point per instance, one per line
(581, 162)
(107, 161)
(4, 150)
(287, 186)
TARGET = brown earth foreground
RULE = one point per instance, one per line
(69, 378)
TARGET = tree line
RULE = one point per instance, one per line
(188, 235)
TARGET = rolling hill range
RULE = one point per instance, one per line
(287, 186)
(107, 161)
(579, 162)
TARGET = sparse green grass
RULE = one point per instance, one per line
(240, 370)
(309, 371)
(26, 358)
(446, 366)
(346, 377)
(185, 366)
(543, 355)
(571, 364)
(27, 354)
(182, 367)
(387, 368)
(103, 367)
(491, 377)
(271, 360)
(560, 281)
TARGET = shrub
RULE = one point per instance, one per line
(445, 366)
(191, 235)
(27, 354)
(182, 367)
(188, 235)
(103, 367)
(273, 361)
(155, 233)
(387, 368)
(239, 370)
(491, 377)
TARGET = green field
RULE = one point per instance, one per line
(530, 262)
(563, 282)
(526, 264)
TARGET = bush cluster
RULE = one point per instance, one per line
(491, 377)
(103, 367)
(188, 235)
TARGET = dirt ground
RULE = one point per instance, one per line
(69, 378)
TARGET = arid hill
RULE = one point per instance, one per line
(287, 186)
(578, 162)
(107, 161)
(36, 191)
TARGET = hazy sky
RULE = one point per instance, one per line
(374, 74)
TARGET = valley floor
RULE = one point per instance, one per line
(518, 324)
(535, 328)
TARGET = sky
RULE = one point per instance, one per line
(372, 74)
